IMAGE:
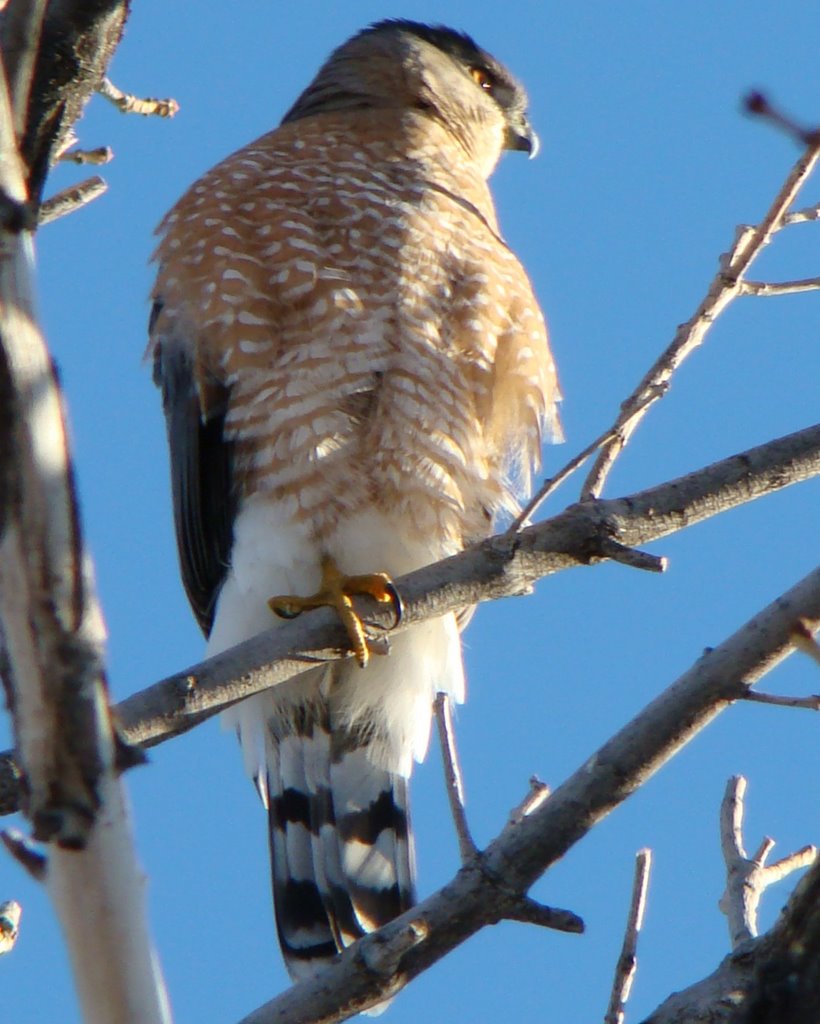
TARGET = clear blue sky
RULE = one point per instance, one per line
(646, 168)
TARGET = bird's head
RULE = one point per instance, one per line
(444, 74)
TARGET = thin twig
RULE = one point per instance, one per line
(71, 199)
(98, 157)
(801, 858)
(804, 216)
(130, 104)
(30, 858)
(551, 484)
(539, 791)
(452, 776)
(632, 557)
(759, 105)
(803, 637)
(383, 957)
(627, 965)
(747, 879)
(812, 702)
(726, 286)
(528, 911)
(764, 289)
(10, 912)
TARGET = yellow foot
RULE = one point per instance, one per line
(337, 591)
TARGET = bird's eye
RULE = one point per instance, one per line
(483, 78)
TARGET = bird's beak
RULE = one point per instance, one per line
(522, 138)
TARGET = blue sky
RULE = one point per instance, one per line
(646, 168)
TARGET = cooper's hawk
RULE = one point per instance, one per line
(355, 374)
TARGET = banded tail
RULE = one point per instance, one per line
(342, 859)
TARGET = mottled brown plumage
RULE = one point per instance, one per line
(354, 366)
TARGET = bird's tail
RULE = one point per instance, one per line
(342, 859)
(331, 752)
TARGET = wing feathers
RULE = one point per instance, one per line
(203, 486)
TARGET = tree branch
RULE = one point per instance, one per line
(627, 965)
(10, 912)
(452, 777)
(499, 567)
(127, 103)
(529, 844)
(70, 199)
(77, 42)
(726, 286)
(747, 879)
(766, 980)
(53, 636)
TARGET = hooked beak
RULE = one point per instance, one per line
(522, 138)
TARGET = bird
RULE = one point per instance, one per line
(357, 382)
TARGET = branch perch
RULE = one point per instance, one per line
(499, 567)
(529, 844)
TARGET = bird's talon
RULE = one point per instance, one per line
(284, 609)
(336, 591)
(398, 605)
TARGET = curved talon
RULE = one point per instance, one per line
(336, 591)
(285, 607)
(398, 604)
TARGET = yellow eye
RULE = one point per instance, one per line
(482, 78)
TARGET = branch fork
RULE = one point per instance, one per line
(748, 878)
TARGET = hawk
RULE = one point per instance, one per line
(356, 378)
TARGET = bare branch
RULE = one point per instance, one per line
(524, 518)
(98, 157)
(76, 42)
(499, 567)
(802, 858)
(747, 879)
(758, 104)
(27, 855)
(774, 978)
(803, 639)
(21, 28)
(527, 911)
(812, 702)
(529, 845)
(726, 286)
(452, 776)
(804, 216)
(539, 791)
(129, 104)
(53, 636)
(632, 557)
(627, 965)
(70, 199)
(764, 289)
(10, 912)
